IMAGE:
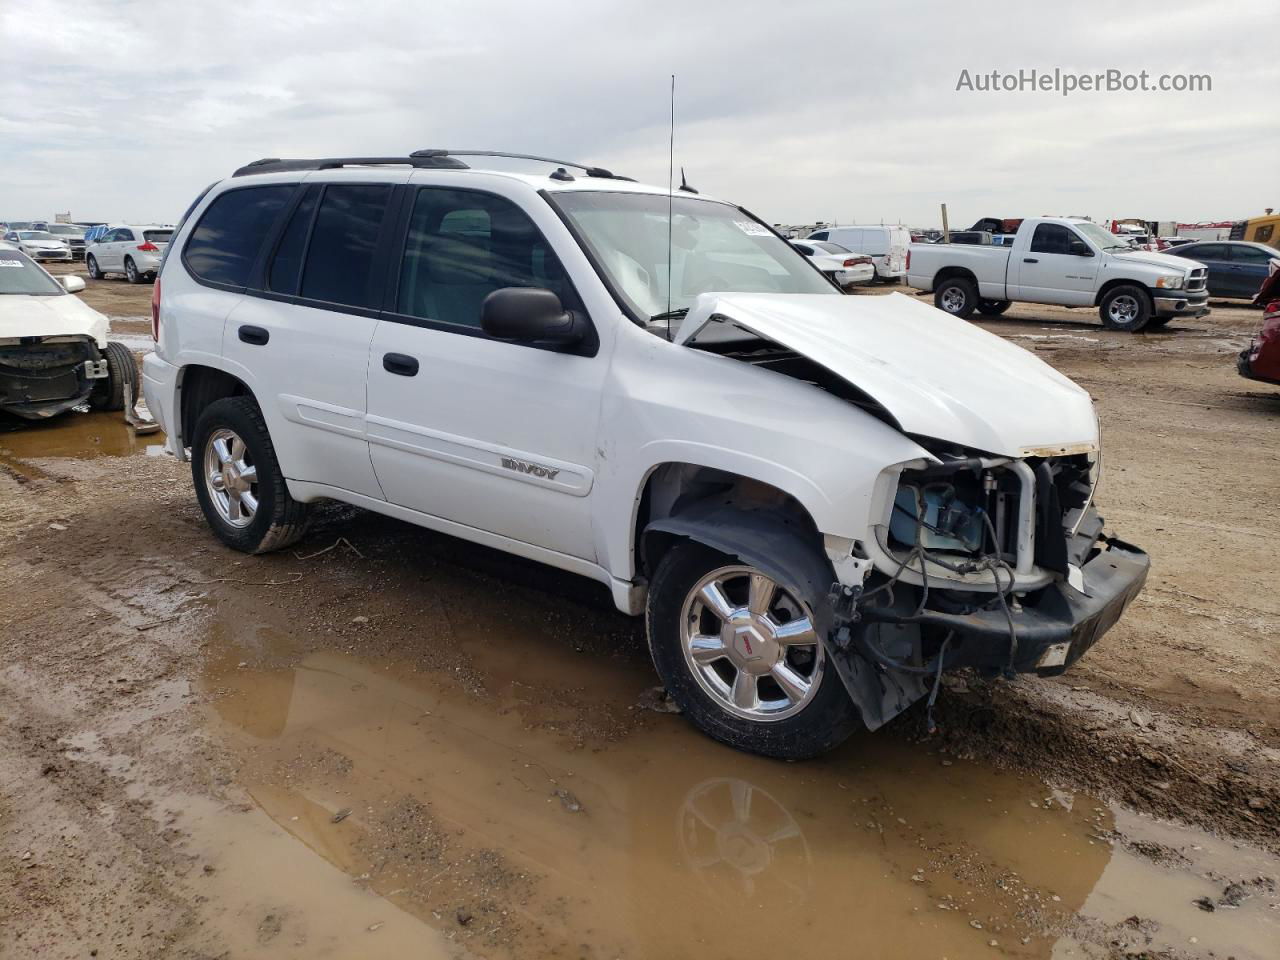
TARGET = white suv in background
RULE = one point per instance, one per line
(135, 250)
(819, 502)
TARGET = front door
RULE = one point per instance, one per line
(495, 436)
(1058, 267)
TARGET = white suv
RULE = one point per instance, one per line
(819, 502)
(135, 250)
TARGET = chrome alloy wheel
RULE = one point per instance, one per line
(1123, 309)
(231, 480)
(953, 300)
(750, 644)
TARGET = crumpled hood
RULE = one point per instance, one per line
(938, 376)
(44, 244)
(51, 316)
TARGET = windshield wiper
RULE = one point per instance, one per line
(669, 315)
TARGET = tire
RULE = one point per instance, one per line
(122, 369)
(91, 265)
(993, 308)
(264, 517)
(957, 296)
(793, 726)
(131, 271)
(1126, 307)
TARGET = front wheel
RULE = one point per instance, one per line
(238, 480)
(993, 308)
(121, 381)
(1126, 308)
(957, 296)
(740, 655)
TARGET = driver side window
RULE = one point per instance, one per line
(462, 245)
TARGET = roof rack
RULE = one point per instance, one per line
(423, 159)
(590, 171)
(276, 165)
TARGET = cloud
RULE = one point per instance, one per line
(800, 111)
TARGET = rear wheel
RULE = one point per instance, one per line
(957, 296)
(238, 480)
(122, 372)
(131, 271)
(740, 655)
(993, 308)
(1126, 308)
(91, 265)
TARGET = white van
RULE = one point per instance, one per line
(887, 246)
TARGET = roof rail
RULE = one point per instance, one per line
(276, 165)
(589, 170)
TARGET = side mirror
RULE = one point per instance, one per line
(71, 284)
(528, 315)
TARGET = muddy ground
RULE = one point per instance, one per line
(389, 743)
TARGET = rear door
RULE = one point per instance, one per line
(1056, 267)
(1247, 268)
(305, 328)
(495, 436)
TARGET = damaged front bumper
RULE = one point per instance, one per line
(43, 378)
(1049, 631)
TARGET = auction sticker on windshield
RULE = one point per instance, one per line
(11, 263)
(752, 229)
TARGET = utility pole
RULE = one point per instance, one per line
(946, 231)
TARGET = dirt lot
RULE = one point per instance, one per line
(389, 743)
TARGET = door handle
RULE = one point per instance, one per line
(254, 335)
(1030, 260)
(401, 364)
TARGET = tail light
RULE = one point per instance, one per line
(155, 311)
(148, 247)
(851, 262)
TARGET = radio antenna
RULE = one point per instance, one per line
(671, 178)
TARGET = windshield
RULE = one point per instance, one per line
(714, 248)
(35, 235)
(19, 275)
(829, 247)
(1104, 239)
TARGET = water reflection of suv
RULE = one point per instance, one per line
(819, 502)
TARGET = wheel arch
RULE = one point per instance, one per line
(682, 500)
(1120, 282)
(952, 273)
(200, 385)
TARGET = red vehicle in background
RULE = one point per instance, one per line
(1261, 360)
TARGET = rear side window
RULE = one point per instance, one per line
(287, 263)
(157, 236)
(340, 257)
(461, 246)
(1250, 254)
(225, 242)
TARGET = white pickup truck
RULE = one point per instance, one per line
(1072, 263)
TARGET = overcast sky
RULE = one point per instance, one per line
(799, 110)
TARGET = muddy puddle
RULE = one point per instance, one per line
(75, 435)
(394, 808)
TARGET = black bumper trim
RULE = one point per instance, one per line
(1060, 614)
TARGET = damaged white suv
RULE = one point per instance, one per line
(820, 502)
